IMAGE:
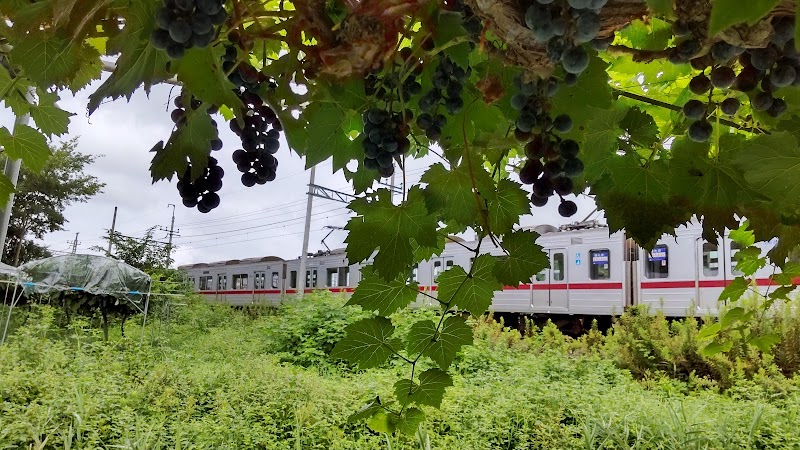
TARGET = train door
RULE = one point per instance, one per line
(222, 285)
(710, 275)
(439, 265)
(550, 293)
(559, 293)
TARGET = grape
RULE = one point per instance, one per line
(778, 107)
(722, 77)
(180, 31)
(567, 208)
(694, 109)
(535, 148)
(570, 79)
(730, 106)
(563, 185)
(579, 4)
(575, 60)
(559, 26)
(190, 202)
(160, 39)
(702, 62)
(219, 18)
(601, 44)
(562, 123)
(680, 28)
(700, 84)
(782, 75)
(201, 23)
(762, 101)
(454, 105)
(543, 187)
(203, 40)
(163, 18)
(568, 149)
(216, 144)
(209, 6)
(175, 51)
(790, 51)
(553, 169)
(747, 80)
(530, 171)
(555, 48)
(700, 131)
(587, 26)
(686, 50)
(551, 88)
(544, 2)
(184, 5)
(573, 167)
(386, 172)
(525, 122)
(783, 30)
(424, 121)
(518, 101)
(763, 58)
(538, 201)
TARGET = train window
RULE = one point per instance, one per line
(657, 265)
(240, 281)
(332, 278)
(344, 276)
(541, 276)
(275, 280)
(311, 278)
(206, 283)
(710, 259)
(600, 267)
(449, 263)
(735, 247)
(222, 282)
(558, 266)
(293, 279)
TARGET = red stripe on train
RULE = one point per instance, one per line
(703, 284)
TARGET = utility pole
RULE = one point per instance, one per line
(302, 275)
(75, 244)
(171, 233)
(111, 232)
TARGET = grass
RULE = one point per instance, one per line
(222, 379)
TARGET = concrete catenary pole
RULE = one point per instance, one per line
(301, 276)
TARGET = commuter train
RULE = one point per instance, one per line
(592, 273)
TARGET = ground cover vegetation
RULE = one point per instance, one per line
(660, 110)
(213, 377)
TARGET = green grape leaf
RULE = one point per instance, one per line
(365, 411)
(640, 128)
(601, 141)
(735, 290)
(6, 189)
(782, 292)
(749, 260)
(525, 258)
(450, 192)
(789, 272)
(368, 342)
(139, 63)
(726, 13)
(650, 183)
(663, 7)
(14, 93)
(389, 229)
(26, 144)
(448, 29)
(470, 292)
(441, 347)
(771, 164)
(50, 119)
(410, 421)
(375, 294)
(322, 130)
(714, 347)
(506, 205)
(653, 35)
(404, 390)
(432, 384)
(590, 93)
(200, 71)
(381, 422)
(190, 143)
(47, 60)
(765, 342)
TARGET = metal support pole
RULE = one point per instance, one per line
(75, 244)
(111, 232)
(11, 170)
(302, 275)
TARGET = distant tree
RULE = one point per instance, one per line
(42, 197)
(144, 253)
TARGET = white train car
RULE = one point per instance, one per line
(592, 273)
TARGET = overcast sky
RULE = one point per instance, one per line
(258, 221)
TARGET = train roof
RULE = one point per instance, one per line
(231, 262)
